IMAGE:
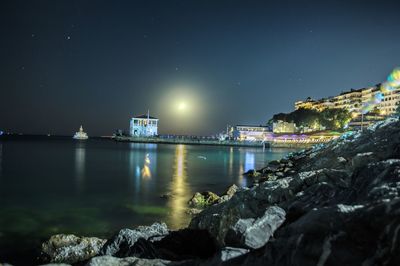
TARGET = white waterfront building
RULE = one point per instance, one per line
(143, 126)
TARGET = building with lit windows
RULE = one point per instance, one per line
(389, 102)
(143, 126)
(309, 103)
(249, 133)
(315, 105)
(349, 100)
(354, 100)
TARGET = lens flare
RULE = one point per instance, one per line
(392, 83)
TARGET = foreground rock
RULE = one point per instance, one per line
(342, 204)
(185, 244)
(71, 248)
(255, 233)
(203, 199)
(121, 243)
(129, 261)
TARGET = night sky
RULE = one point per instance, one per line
(98, 63)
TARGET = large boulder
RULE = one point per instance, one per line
(71, 248)
(185, 244)
(228, 193)
(119, 245)
(129, 261)
(337, 235)
(225, 256)
(253, 233)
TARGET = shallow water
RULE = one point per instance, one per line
(96, 187)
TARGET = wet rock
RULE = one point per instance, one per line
(121, 242)
(254, 233)
(252, 173)
(185, 244)
(362, 159)
(128, 261)
(225, 255)
(229, 193)
(279, 174)
(71, 248)
(231, 190)
(53, 264)
(193, 211)
(203, 199)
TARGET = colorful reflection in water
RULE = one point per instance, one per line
(142, 168)
(146, 172)
(80, 168)
(179, 188)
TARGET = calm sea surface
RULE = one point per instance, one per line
(96, 187)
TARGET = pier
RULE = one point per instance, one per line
(279, 142)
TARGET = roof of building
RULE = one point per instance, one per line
(144, 116)
(260, 126)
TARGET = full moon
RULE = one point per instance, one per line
(182, 106)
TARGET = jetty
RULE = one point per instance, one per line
(279, 141)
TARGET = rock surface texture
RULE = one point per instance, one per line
(333, 204)
(71, 248)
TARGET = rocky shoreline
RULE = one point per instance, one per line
(335, 203)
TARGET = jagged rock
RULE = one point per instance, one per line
(225, 255)
(252, 173)
(254, 233)
(129, 261)
(71, 248)
(279, 174)
(50, 264)
(228, 194)
(121, 242)
(203, 199)
(193, 211)
(231, 190)
(185, 244)
(362, 159)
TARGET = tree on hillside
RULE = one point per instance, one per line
(335, 119)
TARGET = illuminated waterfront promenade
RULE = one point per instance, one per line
(276, 140)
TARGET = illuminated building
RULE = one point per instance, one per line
(315, 105)
(251, 133)
(307, 104)
(389, 103)
(143, 126)
(354, 100)
(322, 104)
(350, 100)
